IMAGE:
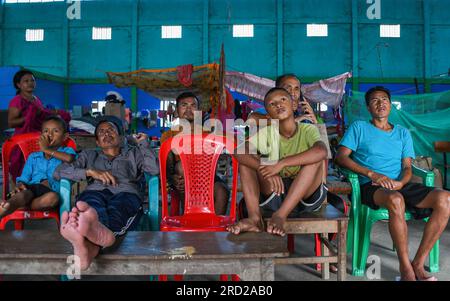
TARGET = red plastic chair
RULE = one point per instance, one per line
(199, 155)
(27, 143)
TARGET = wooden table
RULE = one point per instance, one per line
(250, 255)
(327, 220)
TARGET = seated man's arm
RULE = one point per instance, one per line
(406, 171)
(148, 162)
(343, 159)
(75, 171)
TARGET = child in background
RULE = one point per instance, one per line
(36, 188)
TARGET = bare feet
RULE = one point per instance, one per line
(89, 226)
(246, 225)
(407, 273)
(81, 247)
(275, 225)
(420, 273)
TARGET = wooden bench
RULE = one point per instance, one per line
(250, 255)
(327, 220)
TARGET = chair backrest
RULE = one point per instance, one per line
(199, 155)
(27, 143)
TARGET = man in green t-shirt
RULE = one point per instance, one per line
(280, 168)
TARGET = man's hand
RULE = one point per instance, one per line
(383, 181)
(308, 110)
(276, 184)
(44, 143)
(310, 117)
(270, 170)
(104, 176)
(139, 137)
(45, 183)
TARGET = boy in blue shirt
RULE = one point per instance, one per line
(36, 188)
(381, 153)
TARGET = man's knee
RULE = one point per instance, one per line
(442, 202)
(396, 204)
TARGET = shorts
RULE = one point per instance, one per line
(38, 190)
(118, 212)
(413, 194)
(312, 203)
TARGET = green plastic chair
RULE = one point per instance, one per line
(362, 218)
(150, 220)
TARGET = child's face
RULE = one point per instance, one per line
(279, 105)
(27, 83)
(54, 132)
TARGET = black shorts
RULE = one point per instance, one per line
(413, 194)
(310, 204)
(38, 190)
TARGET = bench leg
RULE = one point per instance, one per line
(342, 252)
(326, 265)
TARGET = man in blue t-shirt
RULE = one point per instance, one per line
(381, 154)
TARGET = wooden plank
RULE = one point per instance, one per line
(148, 245)
(310, 226)
(305, 260)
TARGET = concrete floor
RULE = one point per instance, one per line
(381, 244)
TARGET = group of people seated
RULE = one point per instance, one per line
(281, 165)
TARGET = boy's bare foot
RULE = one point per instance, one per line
(420, 273)
(90, 227)
(81, 246)
(275, 225)
(246, 225)
(407, 273)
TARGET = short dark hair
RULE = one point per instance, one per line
(273, 90)
(375, 89)
(187, 95)
(56, 119)
(18, 76)
(281, 78)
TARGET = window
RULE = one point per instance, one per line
(397, 104)
(390, 31)
(171, 32)
(101, 33)
(163, 106)
(317, 30)
(243, 31)
(323, 107)
(34, 35)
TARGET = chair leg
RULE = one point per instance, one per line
(434, 258)
(18, 225)
(366, 227)
(291, 243)
(162, 277)
(318, 250)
